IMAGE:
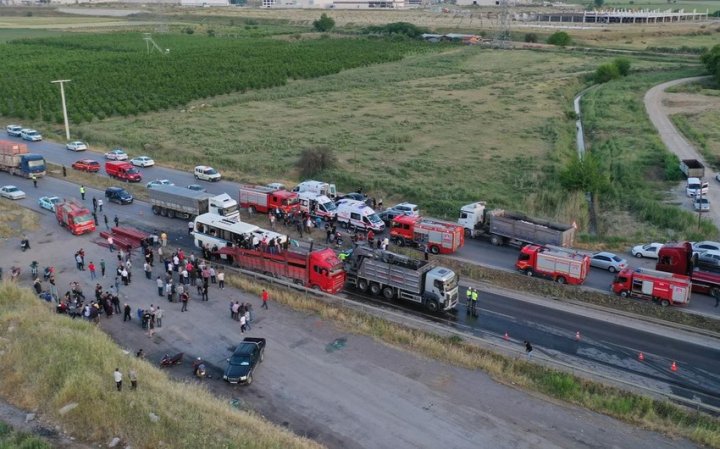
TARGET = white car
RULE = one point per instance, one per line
(116, 155)
(12, 192)
(30, 134)
(407, 209)
(650, 250)
(159, 182)
(77, 145)
(14, 130)
(705, 245)
(142, 161)
(206, 173)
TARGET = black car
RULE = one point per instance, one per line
(352, 196)
(387, 216)
(243, 361)
(118, 195)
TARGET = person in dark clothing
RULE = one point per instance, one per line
(528, 348)
(117, 221)
(127, 316)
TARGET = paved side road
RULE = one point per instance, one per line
(676, 142)
(344, 390)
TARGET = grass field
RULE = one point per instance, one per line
(703, 130)
(12, 439)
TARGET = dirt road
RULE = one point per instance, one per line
(341, 389)
(660, 105)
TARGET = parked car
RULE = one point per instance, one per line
(701, 204)
(13, 130)
(407, 209)
(77, 145)
(142, 161)
(650, 250)
(709, 260)
(205, 173)
(608, 261)
(118, 195)
(159, 182)
(116, 154)
(11, 192)
(197, 188)
(30, 134)
(246, 356)
(352, 196)
(87, 165)
(705, 245)
(48, 202)
(388, 214)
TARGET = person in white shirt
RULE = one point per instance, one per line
(117, 375)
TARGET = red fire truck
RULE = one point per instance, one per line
(564, 267)
(665, 288)
(439, 236)
(75, 217)
(264, 199)
(320, 269)
(680, 259)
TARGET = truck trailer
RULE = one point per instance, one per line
(180, 202)
(692, 168)
(435, 235)
(662, 287)
(397, 276)
(15, 159)
(563, 267)
(264, 199)
(504, 227)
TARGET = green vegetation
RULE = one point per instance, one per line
(114, 75)
(711, 59)
(398, 29)
(314, 160)
(559, 38)
(639, 410)
(612, 70)
(703, 130)
(324, 23)
(12, 439)
(50, 361)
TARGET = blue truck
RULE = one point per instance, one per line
(15, 159)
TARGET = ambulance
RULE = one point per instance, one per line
(358, 215)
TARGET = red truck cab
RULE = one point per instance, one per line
(439, 237)
(123, 170)
(665, 288)
(265, 199)
(679, 259)
(563, 267)
(75, 217)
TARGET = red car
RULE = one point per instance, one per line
(87, 165)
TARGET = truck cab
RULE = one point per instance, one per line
(471, 216)
(443, 283)
(224, 206)
(75, 217)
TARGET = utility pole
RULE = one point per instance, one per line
(62, 95)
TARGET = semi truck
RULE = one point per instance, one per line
(692, 168)
(318, 269)
(180, 202)
(435, 235)
(680, 259)
(662, 287)
(397, 276)
(562, 266)
(504, 227)
(124, 171)
(15, 159)
(265, 199)
(74, 217)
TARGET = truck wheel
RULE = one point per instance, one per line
(362, 285)
(399, 241)
(171, 214)
(468, 232)
(432, 306)
(262, 355)
(163, 212)
(561, 280)
(434, 250)
(375, 289)
(496, 240)
(664, 303)
(156, 210)
(388, 293)
(624, 294)
(529, 272)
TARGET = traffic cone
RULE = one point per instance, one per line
(577, 336)
(641, 356)
(506, 337)
(673, 367)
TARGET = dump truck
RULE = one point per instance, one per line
(435, 235)
(75, 217)
(557, 264)
(692, 168)
(180, 202)
(660, 286)
(396, 276)
(15, 159)
(504, 227)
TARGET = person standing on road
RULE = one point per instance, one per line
(160, 286)
(468, 298)
(102, 267)
(94, 201)
(64, 171)
(163, 238)
(100, 204)
(242, 323)
(117, 375)
(221, 278)
(34, 180)
(184, 298)
(191, 227)
(91, 267)
(528, 348)
(426, 252)
(82, 196)
(158, 316)
(117, 221)
(474, 301)
(106, 222)
(127, 316)
(95, 219)
(148, 270)
(265, 296)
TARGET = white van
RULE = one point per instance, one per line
(317, 205)
(359, 215)
(317, 187)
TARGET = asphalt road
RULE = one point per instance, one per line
(477, 251)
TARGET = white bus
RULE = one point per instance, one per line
(212, 230)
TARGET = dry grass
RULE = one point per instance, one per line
(15, 221)
(50, 361)
(635, 409)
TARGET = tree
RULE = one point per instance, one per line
(606, 72)
(324, 24)
(585, 175)
(623, 66)
(531, 37)
(559, 38)
(316, 159)
(711, 59)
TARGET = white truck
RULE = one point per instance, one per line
(317, 187)
(180, 202)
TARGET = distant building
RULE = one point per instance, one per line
(206, 3)
(368, 4)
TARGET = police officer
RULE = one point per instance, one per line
(468, 298)
(474, 301)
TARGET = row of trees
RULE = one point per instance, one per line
(115, 75)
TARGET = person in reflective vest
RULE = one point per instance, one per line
(474, 301)
(468, 297)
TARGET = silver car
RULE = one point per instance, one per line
(701, 204)
(608, 261)
(11, 192)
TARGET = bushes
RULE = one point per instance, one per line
(560, 38)
(316, 160)
(398, 28)
(612, 70)
(324, 24)
(531, 37)
(711, 59)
